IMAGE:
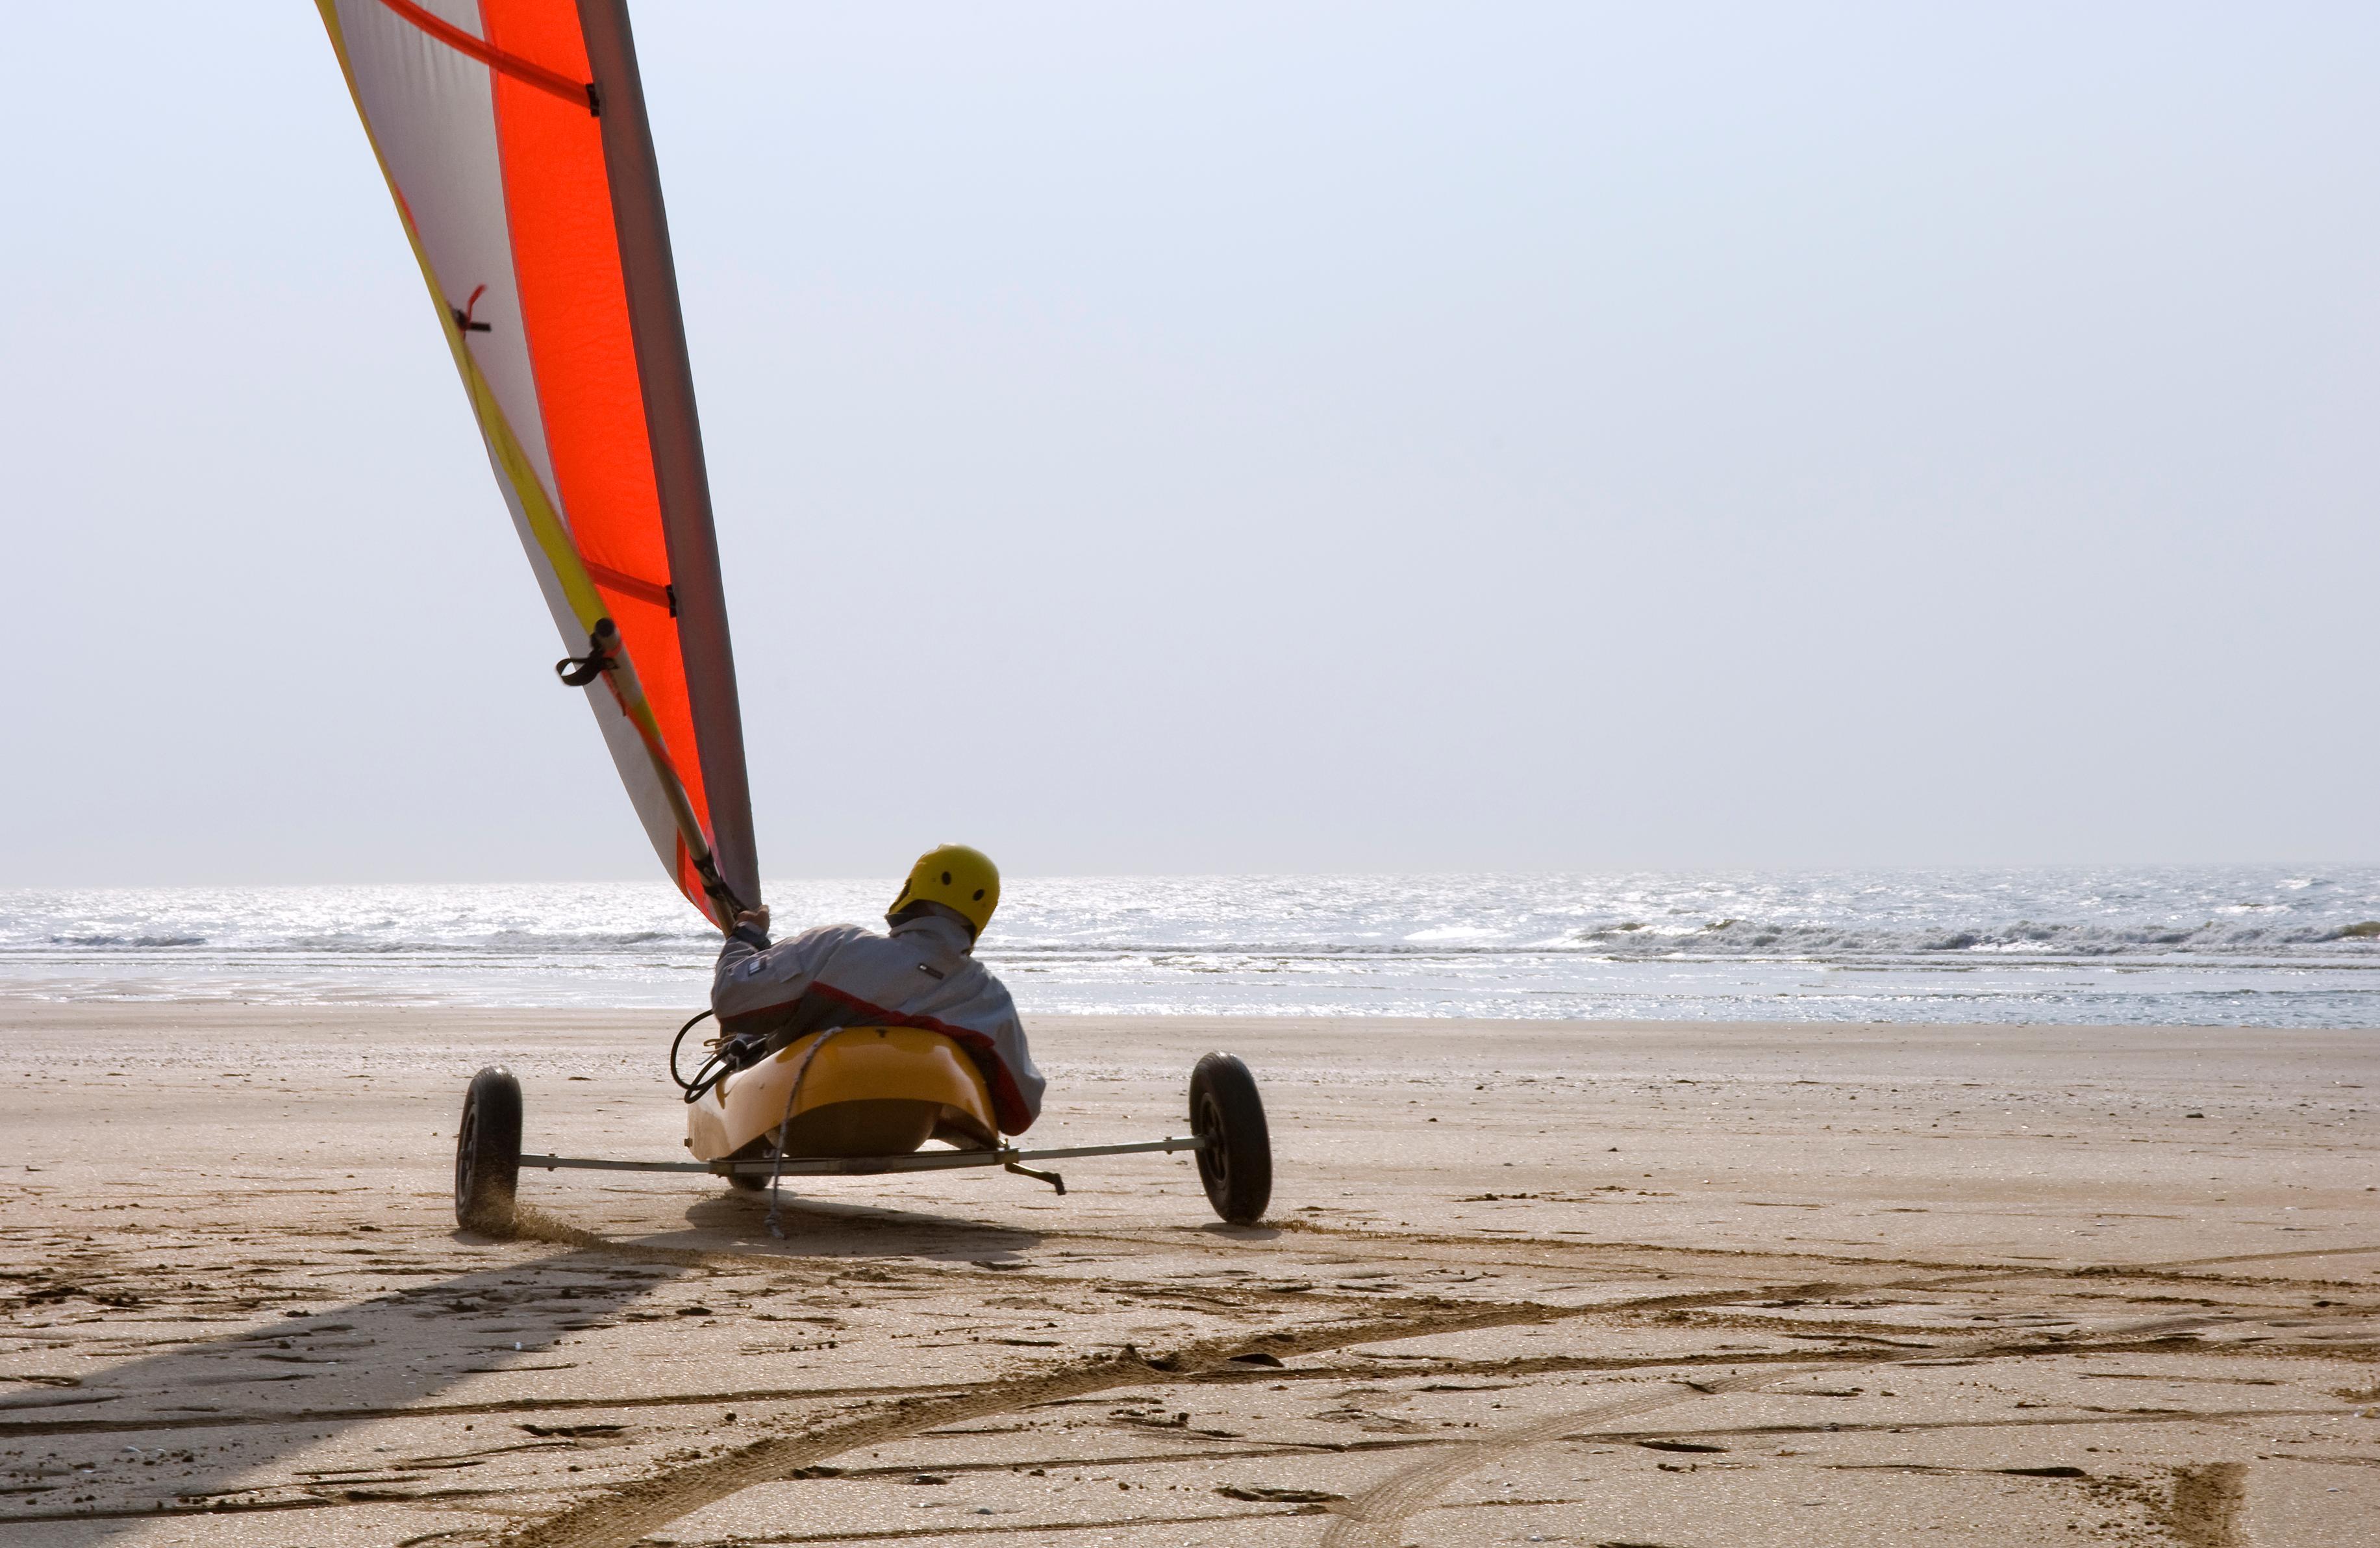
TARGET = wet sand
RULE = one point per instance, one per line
(1675, 1284)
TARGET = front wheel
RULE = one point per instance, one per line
(1235, 1163)
(487, 1151)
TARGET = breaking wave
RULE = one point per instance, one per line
(1738, 938)
(2243, 944)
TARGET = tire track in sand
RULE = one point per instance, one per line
(2206, 1501)
(619, 1517)
(1372, 1518)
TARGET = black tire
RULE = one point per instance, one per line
(760, 1149)
(487, 1151)
(1235, 1164)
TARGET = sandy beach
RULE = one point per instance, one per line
(1612, 1283)
(1718, 642)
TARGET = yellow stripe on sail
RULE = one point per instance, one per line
(545, 522)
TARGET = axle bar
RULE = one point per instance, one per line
(865, 1166)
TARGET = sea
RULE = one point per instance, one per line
(2242, 946)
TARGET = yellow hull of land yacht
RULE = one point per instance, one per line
(857, 1091)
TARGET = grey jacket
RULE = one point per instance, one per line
(921, 975)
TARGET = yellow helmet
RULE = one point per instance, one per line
(955, 877)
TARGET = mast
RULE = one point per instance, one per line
(666, 376)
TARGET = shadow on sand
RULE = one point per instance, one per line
(822, 1228)
(214, 1427)
(179, 1431)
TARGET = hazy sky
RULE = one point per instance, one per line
(1250, 437)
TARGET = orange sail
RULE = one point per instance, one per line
(513, 135)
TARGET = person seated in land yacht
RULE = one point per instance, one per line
(923, 974)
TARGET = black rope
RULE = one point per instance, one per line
(577, 671)
(739, 1052)
(714, 1067)
(693, 1022)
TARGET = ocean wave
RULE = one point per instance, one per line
(496, 943)
(1729, 937)
(1625, 941)
(1745, 938)
(129, 943)
(2261, 944)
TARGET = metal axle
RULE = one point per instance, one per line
(868, 1165)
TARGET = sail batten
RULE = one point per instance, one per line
(538, 225)
(579, 91)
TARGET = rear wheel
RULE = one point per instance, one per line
(760, 1149)
(487, 1151)
(1235, 1164)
